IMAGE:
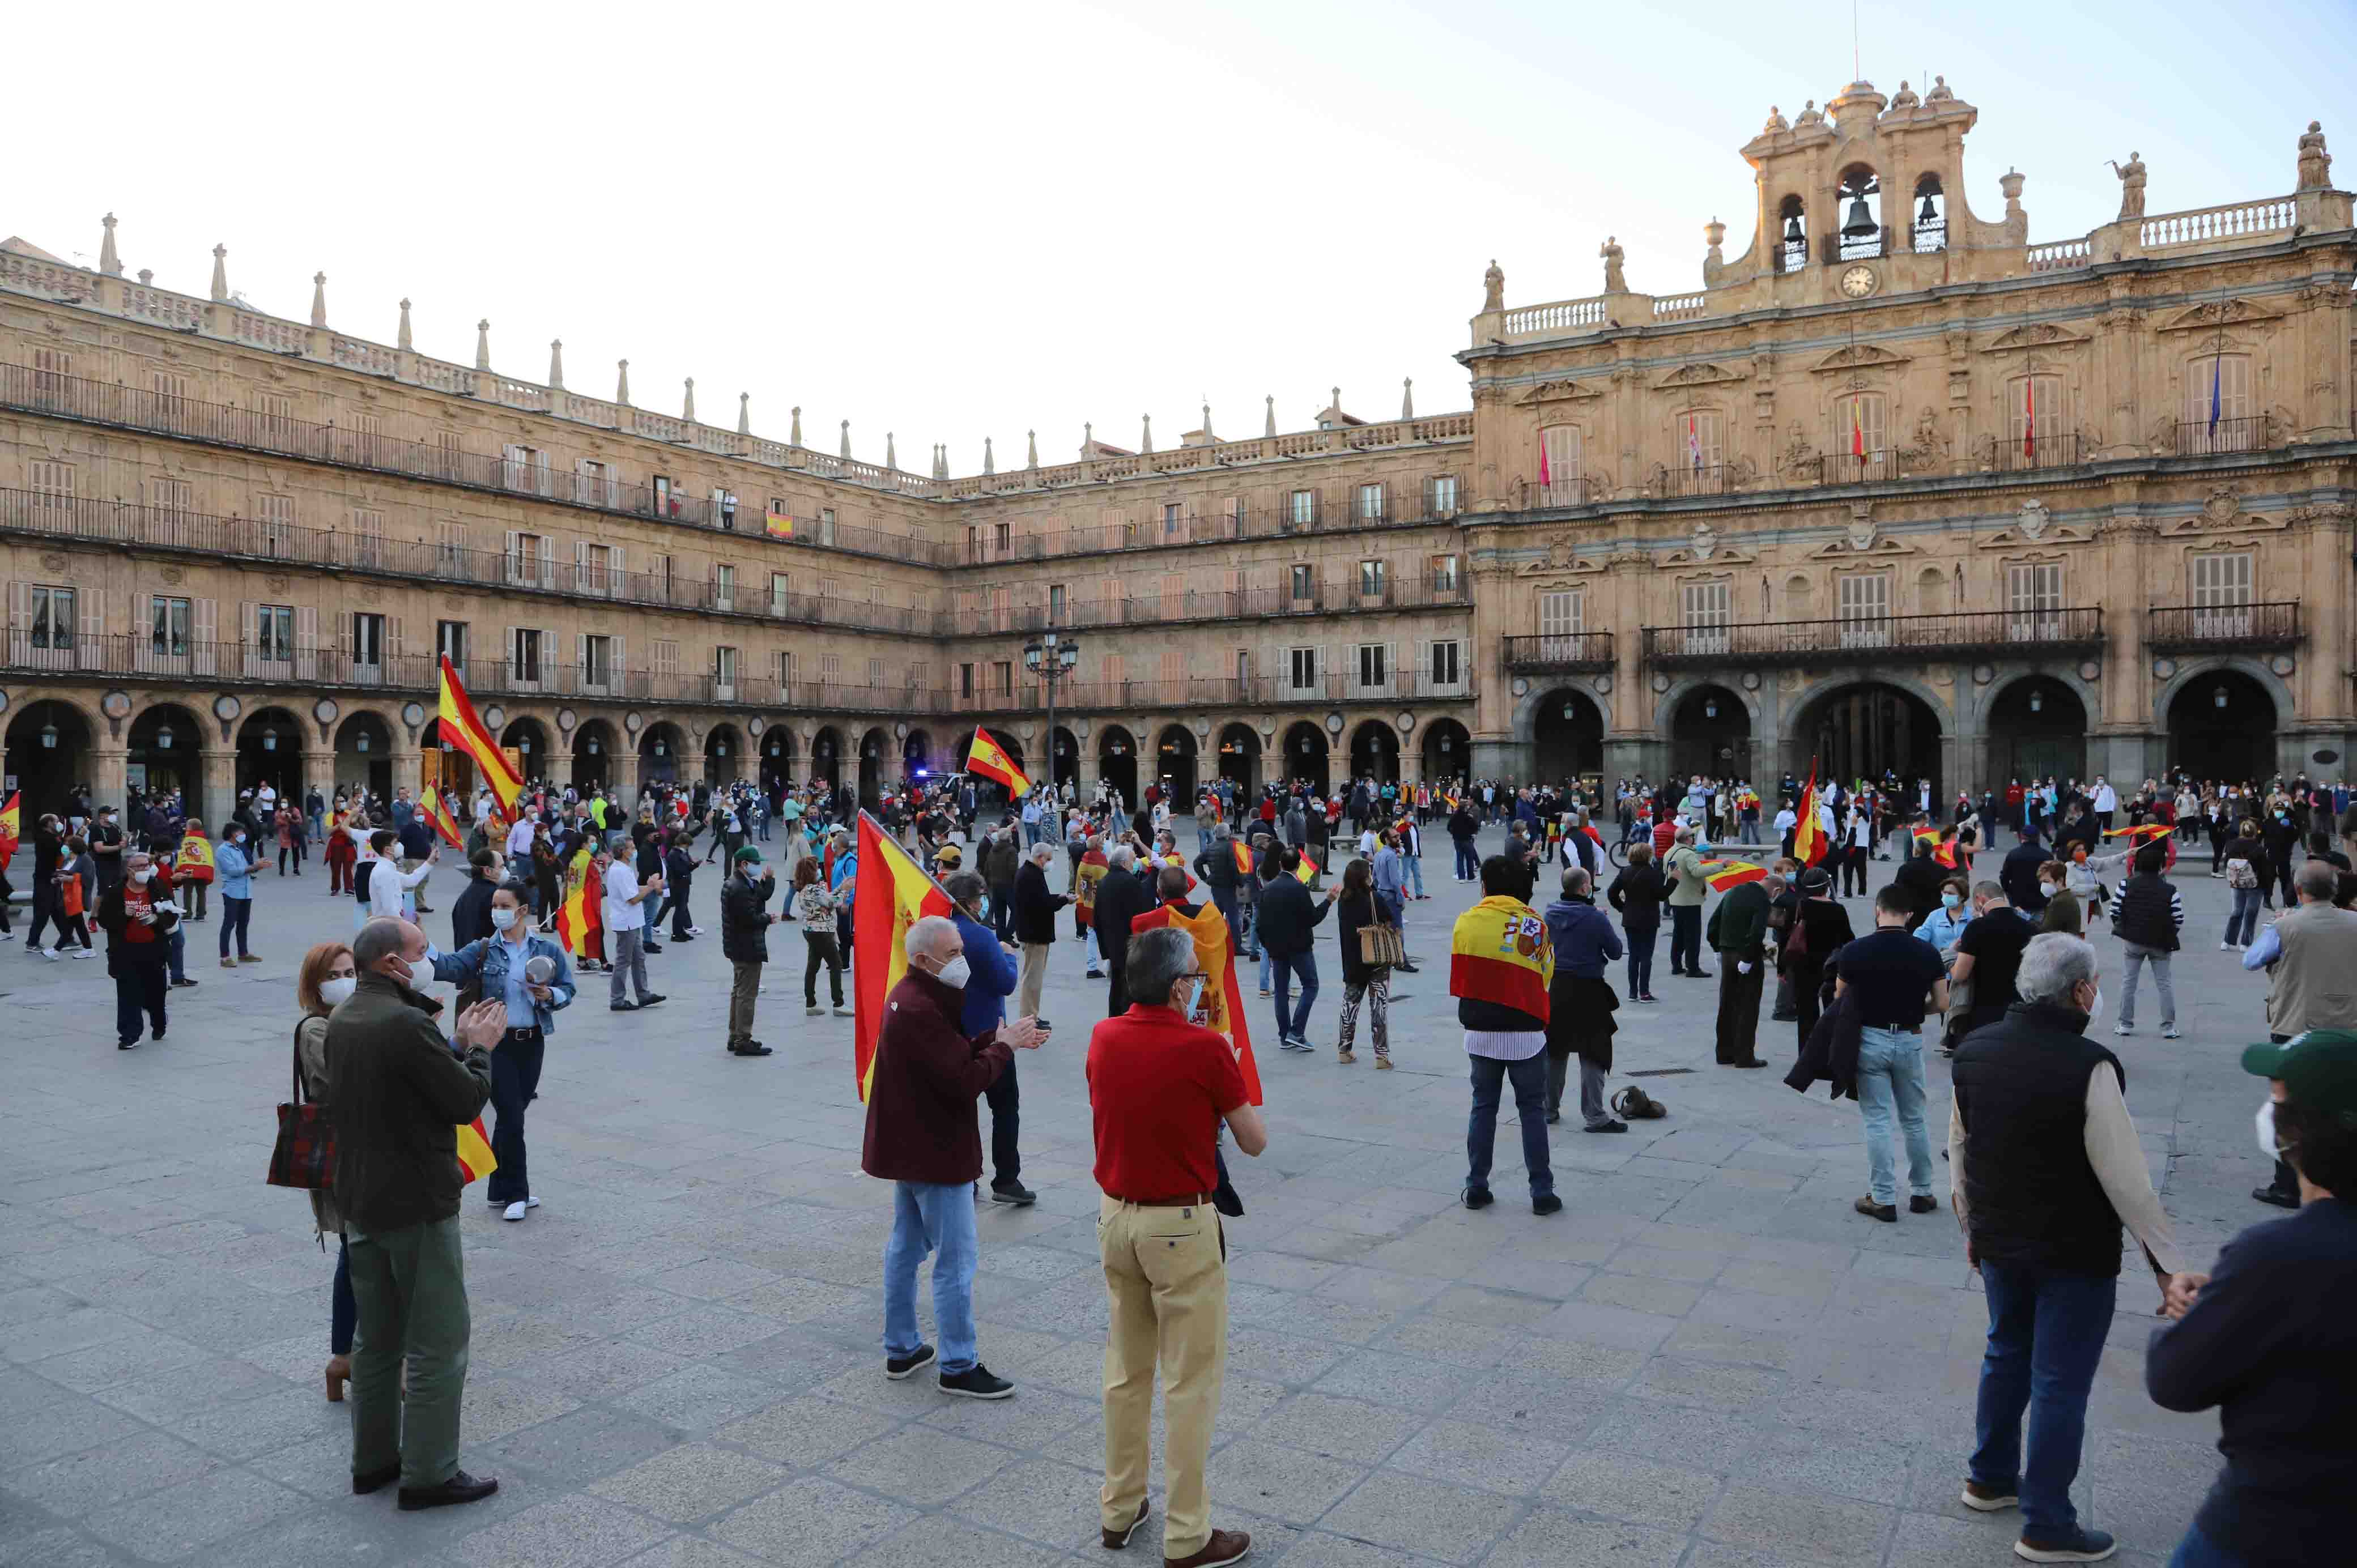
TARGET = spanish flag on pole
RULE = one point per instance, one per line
(438, 812)
(463, 729)
(579, 916)
(1809, 833)
(1857, 428)
(476, 1160)
(890, 894)
(1222, 1009)
(987, 758)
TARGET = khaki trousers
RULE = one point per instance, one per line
(742, 989)
(1031, 979)
(1168, 1278)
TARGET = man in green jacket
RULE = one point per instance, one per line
(397, 1095)
(1738, 934)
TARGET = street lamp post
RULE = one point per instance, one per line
(1051, 656)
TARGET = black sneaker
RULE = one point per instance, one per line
(976, 1382)
(133, 1045)
(650, 998)
(2281, 1199)
(460, 1487)
(1477, 1197)
(2077, 1544)
(898, 1366)
(650, 948)
(1921, 1204)
(750, 1048)
(1550, 1204)
(1013, 1192)
(1615, 1125)
(624, 1005)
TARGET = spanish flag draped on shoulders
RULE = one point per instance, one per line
(1221, 1007)
(1499, 966)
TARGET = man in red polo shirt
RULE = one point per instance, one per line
(1159, 1088)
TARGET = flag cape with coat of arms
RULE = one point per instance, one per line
(1223, 1005)
(1500, 952)
(889, 893)
(1809, 845)
(12, 826)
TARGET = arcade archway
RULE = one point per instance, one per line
(1374, 752)
(777, 758)
(49, 753)
(1447, 752)
(826, 759)
(1305, 758)
(1174, 756)
(658, 755)
(167, 752)
(723, 755)
(364, 755)
(1117, 763)
(1566, 737)
(1710, 735)
(873, 748)
(1240, 759)
(593, 756)
(2037, 728)
(1866, 731)
(1064, 749)
(270, 751)
(530, 739)
(2221, 725)
(917, 757)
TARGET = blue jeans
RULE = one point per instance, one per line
(2243, 924)
(236, 915)
(1640, 960)
(936, 1219)
(180, 950)
(1469, 865)
(1891, 1076)
(2046, 1335)
(1489, 1075)
(1415, 867)
(1288, 964)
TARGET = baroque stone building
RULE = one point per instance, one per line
(1895, 487)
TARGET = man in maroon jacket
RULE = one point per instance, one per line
(924, 1138)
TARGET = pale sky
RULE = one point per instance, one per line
(951, 221)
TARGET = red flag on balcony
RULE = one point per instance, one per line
(1693, 445)
(1857, 428)
(2029, 423)
(1546, 475)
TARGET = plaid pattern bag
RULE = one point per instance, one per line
(304, 1154)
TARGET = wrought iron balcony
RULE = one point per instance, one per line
(2052, 450)
(1216, 692)
(1565, 652)
(1996, 634)
(2194, 627)
(2203, 437)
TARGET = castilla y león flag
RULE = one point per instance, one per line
(463, 728)
(890, 893)
(987, 758)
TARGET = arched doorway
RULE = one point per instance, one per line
(1867, 731)
(1174, 766)
(167, 752)
(917, 755)
(1568, 736)
(826, 759)
(2221, 725)
(530, 739)
(1240, 758)
(2037, 728)
(658, 755)
(1305, 758)
(1117, 763)
(1065, 748)
(777, 757)
(593, 756)
(270, 751)
(49, 753)
(723, 755)
(1447, 752)
(1374, 752)
(872, 749)
(364, 755)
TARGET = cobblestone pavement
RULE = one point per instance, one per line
(1707, 1359)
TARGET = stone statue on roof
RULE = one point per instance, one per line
(2131, 174)
(1941, 92)
(1614, 281)
(1776, 122)
(2315, 163)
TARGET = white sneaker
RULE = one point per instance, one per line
(84, 952)
(2168, 1032)
(49, 954)
(843, 1012)
(515, 1210)
(2225, 946)
(2123, 1029)
(7, 935)
(695, 930)
(531, 1203)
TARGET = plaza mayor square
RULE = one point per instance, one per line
(960, 575)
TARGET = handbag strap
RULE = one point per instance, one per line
(298, 1060)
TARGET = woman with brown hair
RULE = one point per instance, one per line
(1355, 909)
(815, 908)
(325, 979)
(2063, 912)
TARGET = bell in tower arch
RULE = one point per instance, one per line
(1792, 235)
(1861, 222)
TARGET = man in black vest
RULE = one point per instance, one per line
(2044, 1169)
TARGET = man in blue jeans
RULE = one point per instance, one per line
(924, 1138)
(1500, 965)
(1288, 924)
(1893, 977)
(2044, 1169)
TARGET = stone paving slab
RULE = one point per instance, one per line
(1707, 1360)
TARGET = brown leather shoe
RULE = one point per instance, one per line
(1115, 1539)
(1225, 1547)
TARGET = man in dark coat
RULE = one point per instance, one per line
(1581, 1001)
(1738, 932)
(745, 922)
(139, 931)
(1035, 908)
(2019, 875)
(1121, 897)
(1919, 879)
(924, 1137)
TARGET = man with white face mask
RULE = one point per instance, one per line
(924, 1137)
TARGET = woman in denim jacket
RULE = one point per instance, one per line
(495, 968)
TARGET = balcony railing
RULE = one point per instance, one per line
(2192, 628)
(2013, 454)
(1993, 633)
(224, 424)
(1233, 525)
(1849, 468)
(1561, 652)
(1214, 691)
(1218, 605)
(2203, 438)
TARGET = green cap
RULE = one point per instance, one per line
(2318, 1068)
(749, 855)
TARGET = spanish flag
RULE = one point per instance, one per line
(195, 861)
(1305, 871)
(778, 525)
(987, 758)
(1723, 874)
(438, 812)
(1809, 833)
(1500, 952)
(476, 1160)
(12, 826)
(1857, 427)
(1242, 854)
(1221, 1010)
(579, 917)
(461, 727)
(890, 894)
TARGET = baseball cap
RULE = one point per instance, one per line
(748, 856)
(2319, 1067)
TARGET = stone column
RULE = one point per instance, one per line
(408, 770)
(220, 775)
(109, 778)
(319, 771)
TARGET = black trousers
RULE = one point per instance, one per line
(1808, 982)
(1006, 1097)
(139, 992)
(515, 1083)
(1116, 991)
(1685, 939)
(1738, 1009)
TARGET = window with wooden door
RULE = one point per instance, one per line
(2218, 416)
(1706, 610)
(277, 419)
(1301, 510)
(2034, 425)
(724, 673)
(367, 537)
(1374, 580)
(1445, 581)
(1371, 506)
(1699, 467)
(274, 633)
(175, 499)
(52, 368)
(1558, 477)
(275, 515)
(1374, 666)
(52, 485)
(1858, 444)
(1301, 669)
(1442, 494)
(2033, 601)
(1447, 664)
(450, 644)
(1563, 615)
(168, 617)
(2221, 594)
(1304, 585)
(526, 657)
(1864, 602)
(52, 619)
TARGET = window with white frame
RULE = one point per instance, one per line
(526, 656)
(1444, 495)
(167, 625)
(2033, 420)
(723, 670)
(2033, 601)
(1559, 473)
(1859, 436)
(274, 632)
(277, 516)
(598, 663)
(723, 586)
(1706, 610)
(1445, 579)
(368, 640)
(1301, 669)
(724, 508)
(826, 525)
(52, 624)
(1371, 504)
(1373, 579)
(1448, 664)
(1563, 612)
(1863, 600)
(780, 593)
(450, 644)
(2221, 594)
(1174, 520)
(1302, 508)
(1374, 666)
(1304, 585)
(2218, 416)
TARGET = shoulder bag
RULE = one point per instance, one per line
(304, 1154)
(1380, 943)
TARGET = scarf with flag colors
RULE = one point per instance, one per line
(476, 1160)
(1088, 874)
(1222, 1009)
(577, 919)
(462, 728)
(438, 812)
(889, 893)
(1723, 874)
(987, 758)
(1500, 952)
(12, 826)
(1809, 832)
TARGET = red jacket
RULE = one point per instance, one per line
(922, 1124)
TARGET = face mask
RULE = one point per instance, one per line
(2266, 1125)
(954, 974)
(503, 919)
(236, 839)
(1194, 994)
(336, 993)
(2048, 888)
(2095, 1008)
(982, 911)
(1951, 899)
(143, 875)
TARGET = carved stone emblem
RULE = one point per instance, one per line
(1861, 530)
(1706, 541)
(2221, 509)
(2034, 519)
